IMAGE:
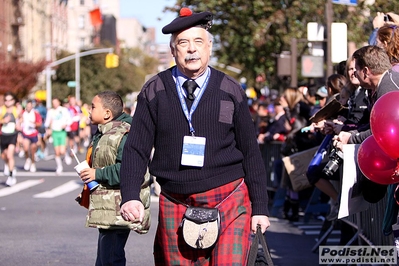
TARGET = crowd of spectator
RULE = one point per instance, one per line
(288, 120)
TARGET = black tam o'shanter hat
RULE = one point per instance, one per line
(188, 19)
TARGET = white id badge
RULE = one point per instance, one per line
(193, 151)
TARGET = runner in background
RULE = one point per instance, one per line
(58, 118)
(8, 138)
(42, 146)
(72, 129)
(30, 122)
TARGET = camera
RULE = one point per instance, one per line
(387, 18)
(336, 158)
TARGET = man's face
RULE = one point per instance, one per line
(9, 101)
(192, 51)
(360, 73)
(29, 106)
(56, 103)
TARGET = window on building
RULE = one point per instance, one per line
(82, 42)
(81, 22)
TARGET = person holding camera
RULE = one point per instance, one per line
(388, 39)
(380, 20)
(321, 174)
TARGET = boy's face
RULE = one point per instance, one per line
(98, 115)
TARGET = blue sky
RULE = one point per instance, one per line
(149, 13)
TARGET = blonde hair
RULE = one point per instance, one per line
(292, 96)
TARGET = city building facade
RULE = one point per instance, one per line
(37, 30)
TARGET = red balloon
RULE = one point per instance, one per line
(384, 123)
(375, 164)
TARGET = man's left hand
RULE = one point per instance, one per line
(262, 220)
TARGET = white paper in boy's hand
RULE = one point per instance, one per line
(352, 200)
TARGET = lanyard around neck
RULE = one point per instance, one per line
(183, 104)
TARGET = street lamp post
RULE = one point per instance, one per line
(77, 74)
(63, 60)
(329, 18)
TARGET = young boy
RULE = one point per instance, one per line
(104, 157)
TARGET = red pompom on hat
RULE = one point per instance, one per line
(188, 19)
(185, 12)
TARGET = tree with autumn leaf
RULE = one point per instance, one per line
(19, 77)
(249, 34)
(128, 77)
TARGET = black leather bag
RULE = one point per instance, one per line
(259, 257)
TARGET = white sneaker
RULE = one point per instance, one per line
(59, 170)
(11, 180)
(32, 168)
(6, 170)
(68, 160)
(21, 154)
(27, 164)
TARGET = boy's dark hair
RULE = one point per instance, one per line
(112, 101)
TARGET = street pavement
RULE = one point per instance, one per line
(42, 225)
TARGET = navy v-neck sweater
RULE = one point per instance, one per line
(222, 117)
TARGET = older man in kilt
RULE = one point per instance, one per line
(205, 154)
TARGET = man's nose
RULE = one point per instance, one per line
(191, 46)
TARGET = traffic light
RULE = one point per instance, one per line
(111, 60)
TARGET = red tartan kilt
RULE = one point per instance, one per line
(233, 244)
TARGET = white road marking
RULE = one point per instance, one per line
(60, 190)
(19, 186)
(42, 173)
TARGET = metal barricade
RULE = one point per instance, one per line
(271, 153)
(369, 224)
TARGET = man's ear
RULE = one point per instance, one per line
(366, 72)
(172, 51)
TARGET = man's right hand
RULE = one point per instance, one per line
(132, 210)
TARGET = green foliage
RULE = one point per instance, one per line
(95, 77)
(249, 34)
